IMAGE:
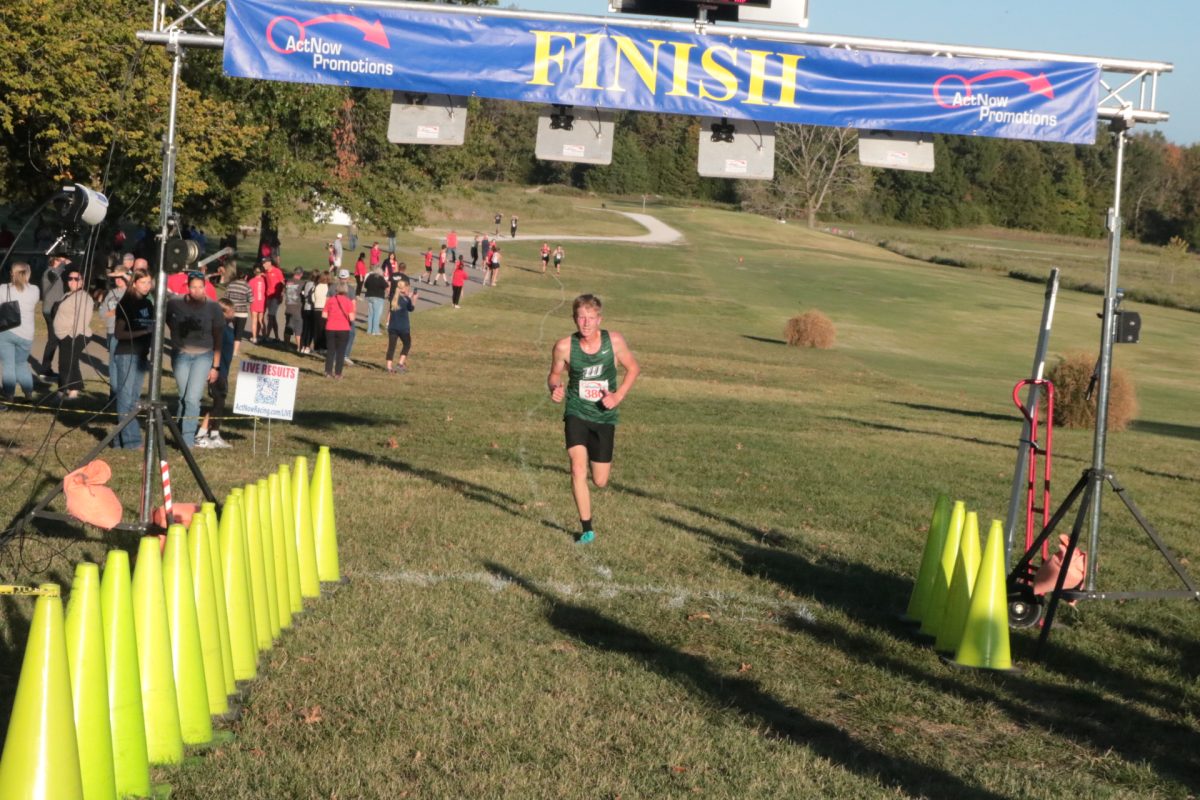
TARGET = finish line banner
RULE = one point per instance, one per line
(613, 66)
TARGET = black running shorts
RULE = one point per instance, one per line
(597, 437)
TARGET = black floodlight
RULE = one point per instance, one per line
(722, 131)
(562, 119)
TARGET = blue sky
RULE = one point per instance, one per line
(1153, 30)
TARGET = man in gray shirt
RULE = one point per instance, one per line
(196, 330)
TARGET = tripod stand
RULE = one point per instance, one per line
(154, 409)
(157, 418)
(1024, 606)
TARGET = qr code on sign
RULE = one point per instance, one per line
(267, 391)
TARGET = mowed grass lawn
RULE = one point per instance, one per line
(731, 632)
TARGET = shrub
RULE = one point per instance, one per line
(810, 329)
(1071, 377)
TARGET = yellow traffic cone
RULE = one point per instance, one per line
(324, 526)
(306, 548)
(212, 534)
(238, 600)
(290, 529)
(205, 598)
(932, 621)
(919, 600)
(89, 684)
(266, 612)
(131, 764)
(41, 755)
(243, 524)
(160, 706)
(195, 724)
(966, 566)
(286, 539)
(278, 556)
(985, 636)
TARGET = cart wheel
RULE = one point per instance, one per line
(1024, 613)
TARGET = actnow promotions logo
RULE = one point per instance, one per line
(295, 31)
(964, 88)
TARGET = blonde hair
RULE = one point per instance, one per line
(20, 275)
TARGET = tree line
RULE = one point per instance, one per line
(82, 100)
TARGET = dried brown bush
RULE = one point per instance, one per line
(1071, 377)
(810, 329)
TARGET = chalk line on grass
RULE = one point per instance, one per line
(734, 606)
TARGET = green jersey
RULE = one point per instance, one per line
(587, 378)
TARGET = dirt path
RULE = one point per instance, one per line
(657, 233)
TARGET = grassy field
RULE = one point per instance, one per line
(1147, 273)
(731, 633)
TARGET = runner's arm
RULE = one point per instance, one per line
(624, 357)
(559, 358)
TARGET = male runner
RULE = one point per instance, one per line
(589, 357)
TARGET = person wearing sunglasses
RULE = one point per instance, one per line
(72, 327)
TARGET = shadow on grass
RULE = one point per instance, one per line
(759, 708)
(883, 426)
(866, 595)
(763, 339)
(1070, 710)
(466, 489)
(1167, 429)
(861, 592)
(963, 412)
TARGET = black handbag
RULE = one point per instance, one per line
(10, 313)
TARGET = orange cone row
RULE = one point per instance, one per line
(960, 597)
(142, 662)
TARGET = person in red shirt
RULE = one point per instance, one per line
(258, 304)
(452, 245)
(177, 283)
(275, 281)
(458, 280)
(376, 255)
(339, 314)
(429, 265)
(360, 272)
(442, 266)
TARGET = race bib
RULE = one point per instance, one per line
(592, 390)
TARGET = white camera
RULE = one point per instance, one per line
(82, 205)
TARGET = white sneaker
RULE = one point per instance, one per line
(201, 443)
(215, 440)
(347, 362)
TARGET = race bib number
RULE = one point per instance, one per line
(592, 390)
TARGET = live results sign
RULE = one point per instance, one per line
(622, 67)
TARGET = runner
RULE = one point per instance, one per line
(589, 358)
(513, 227)
(493, 266)
(429, 265)
(442, 254)
(545, 256)
(558, 259)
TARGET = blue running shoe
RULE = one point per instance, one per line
(586, 537)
